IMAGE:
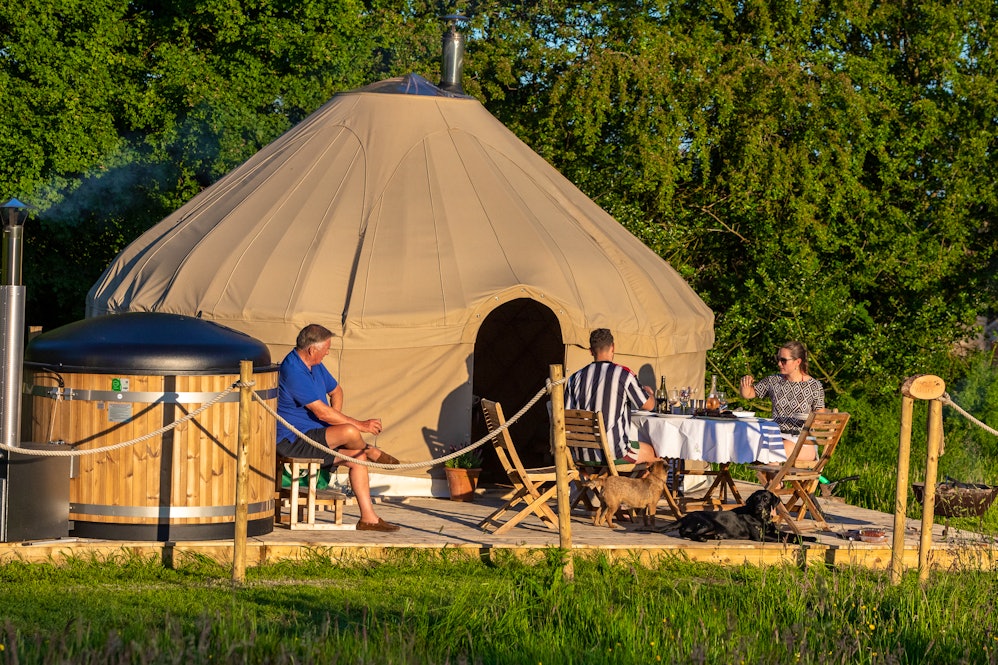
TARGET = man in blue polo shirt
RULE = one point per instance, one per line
(311, 400)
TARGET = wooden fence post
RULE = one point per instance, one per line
(901, 495)
(242, 473)
(930, 388)
(933, 446)
(560, 450)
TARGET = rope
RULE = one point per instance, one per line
(239, 384)
(414, 465)
(132, 442)
(945, 399)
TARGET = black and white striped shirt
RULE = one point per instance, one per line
(611, 389)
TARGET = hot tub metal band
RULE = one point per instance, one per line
(165, 511)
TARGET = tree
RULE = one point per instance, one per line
(124, 110)
(817, 170)
(809, 167)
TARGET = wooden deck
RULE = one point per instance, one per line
(447, 526)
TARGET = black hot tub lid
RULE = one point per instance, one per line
(146, 343)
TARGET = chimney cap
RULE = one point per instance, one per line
(14, 213)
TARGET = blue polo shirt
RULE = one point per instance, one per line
(297, 386)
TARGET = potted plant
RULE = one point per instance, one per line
(462, 473)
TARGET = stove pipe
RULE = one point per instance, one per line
(453, 55)
(12, 295)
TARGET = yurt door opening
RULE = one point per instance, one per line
(516, 345)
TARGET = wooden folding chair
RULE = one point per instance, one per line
(795, 481)
(532, 487)
(302, 514)
(584, 430)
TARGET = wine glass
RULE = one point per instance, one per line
(723, 399)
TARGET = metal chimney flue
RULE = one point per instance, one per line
(453, 55)
(13, 213)
(34, 487)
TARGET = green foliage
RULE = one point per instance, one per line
(469, 459)
(422, 608)
(799, 164)
(818, 171)
(119, 112)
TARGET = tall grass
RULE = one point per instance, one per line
(420, 608)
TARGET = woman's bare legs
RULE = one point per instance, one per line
(808, 452)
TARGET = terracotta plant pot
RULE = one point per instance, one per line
(462, 483)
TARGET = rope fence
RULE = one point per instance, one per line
(932, 390)
(240, 384)
(131, 442)
(947, 400)
(413, 465)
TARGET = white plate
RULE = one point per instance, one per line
(655, 414)
(744, 414)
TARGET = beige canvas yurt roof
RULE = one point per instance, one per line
(399, 216)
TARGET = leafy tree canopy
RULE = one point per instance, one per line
(819, 171)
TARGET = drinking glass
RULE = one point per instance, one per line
(723, 398)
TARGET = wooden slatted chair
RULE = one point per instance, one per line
(532, 487)
(796, 481)
(585, 431)
(302, 513)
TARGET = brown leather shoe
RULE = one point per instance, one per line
(386, 459)
(380, 525)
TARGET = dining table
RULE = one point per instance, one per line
(717, 440)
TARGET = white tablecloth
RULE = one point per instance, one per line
(715, 440)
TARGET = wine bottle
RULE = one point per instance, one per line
(662, 397)
(713, 401)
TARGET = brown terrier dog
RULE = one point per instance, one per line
(635, 492)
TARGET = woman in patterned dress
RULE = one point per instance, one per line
(794, 393)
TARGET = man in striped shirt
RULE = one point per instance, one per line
(612, 389)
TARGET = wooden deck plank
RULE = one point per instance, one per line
(438, 524)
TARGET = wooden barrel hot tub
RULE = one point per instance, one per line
(112, 379)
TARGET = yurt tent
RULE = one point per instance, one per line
(449, 259)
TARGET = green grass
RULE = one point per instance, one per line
(422, 609)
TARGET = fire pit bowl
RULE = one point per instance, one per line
(959, 500)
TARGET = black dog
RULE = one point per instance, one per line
(753, 521)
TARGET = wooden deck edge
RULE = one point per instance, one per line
(942, 557)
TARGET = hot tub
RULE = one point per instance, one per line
(112, 379)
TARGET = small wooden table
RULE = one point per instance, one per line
(720, 441)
